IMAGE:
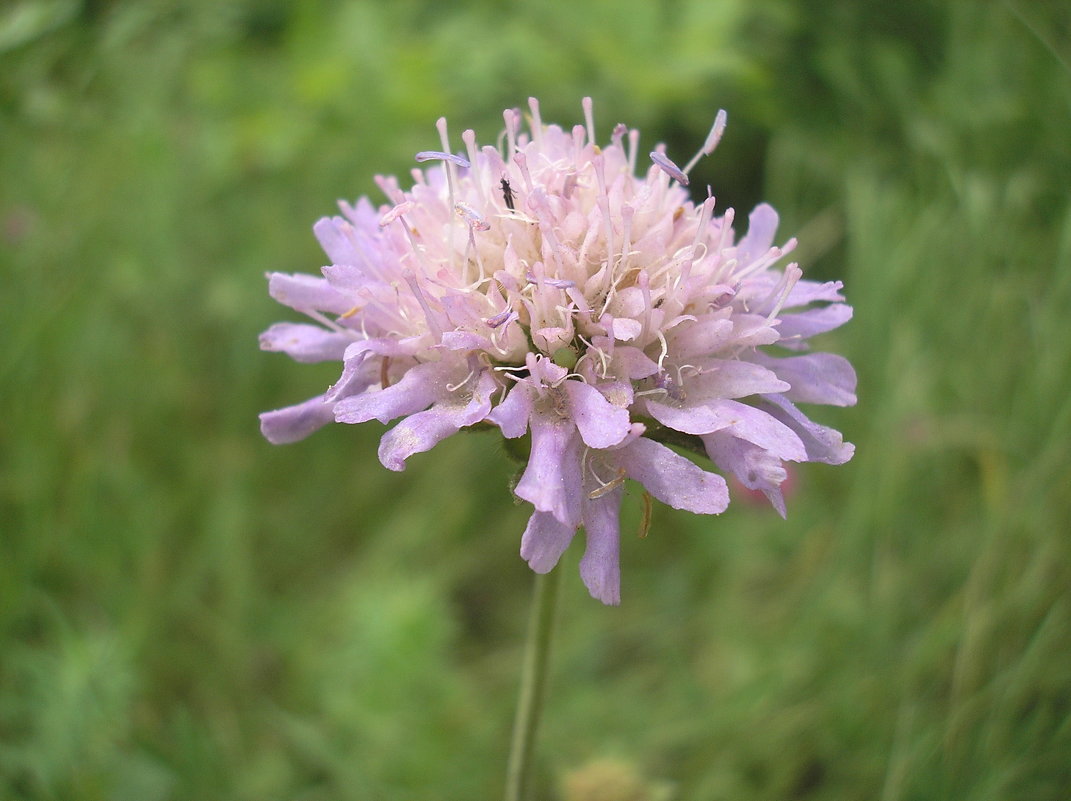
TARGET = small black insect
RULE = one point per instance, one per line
(507, 194)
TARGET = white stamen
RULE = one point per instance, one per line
(537, 122)
(402, 208)
(716, 131)
(589, 118)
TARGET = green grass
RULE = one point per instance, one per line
(188, 612)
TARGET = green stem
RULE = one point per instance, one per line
(533, 683)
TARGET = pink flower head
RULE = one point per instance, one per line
(544, 288)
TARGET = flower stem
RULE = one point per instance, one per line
(533, 684)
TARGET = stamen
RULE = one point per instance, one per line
(716, 131)
(609, 486)
(537, 122)
(589, 118)
(511, 117)
(474, 219)
(404, 207)
(461, 383)
(672, 170)
(504, 317)
(384, 378)
(557, 283)
(438, 155)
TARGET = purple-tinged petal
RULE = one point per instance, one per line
(823, 444)
(733, 379)
(815, 378)
(544, 541)
(551, 481)
(754, 467)
(688, 419)
(418, 388)
(336, 238)
(601, 424)
(422, 431)
(296, 422)
(814, 321)
(511, 415)
(600, 567)
(759, 427)
(305, 343)
(761, 227)
(465, 340)
(805, 292)
(635, 362)
(626, 329)
(307, 293)
(673, 479)
(701, 338)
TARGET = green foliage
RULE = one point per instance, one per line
(187, 612)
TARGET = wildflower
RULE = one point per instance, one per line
(548, 290)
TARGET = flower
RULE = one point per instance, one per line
(546, 289)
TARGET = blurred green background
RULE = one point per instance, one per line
(189, 613)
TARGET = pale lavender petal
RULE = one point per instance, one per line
(701, 338)
(823, 444)
(551, 482)
(635, 362)
(359, 369)
(755, 467)
(336, 238)
(688, 419)
(814, 321)
(296, 422)
(673, 479)
(805, 292)
(815, 378)
(422, 431)
(761, 227)
(601, 424)
(759, 427)
(308, 293)
(733, 379)
(304, 342)
(421, 386)
(544, 541)
(600, 567)
(511, 415)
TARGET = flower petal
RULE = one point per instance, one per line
(815, 378)
(296, 422)
(673, 479)
(419, 387)
(756, 468)
(511, 415)
(551, 482)
(304, 342)
(822, 444)
(722, 378)
(601, 424)
(422, 431)
(761, 227)
(812, 322)
(544, 541)
(600, 567)
(307, 293)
